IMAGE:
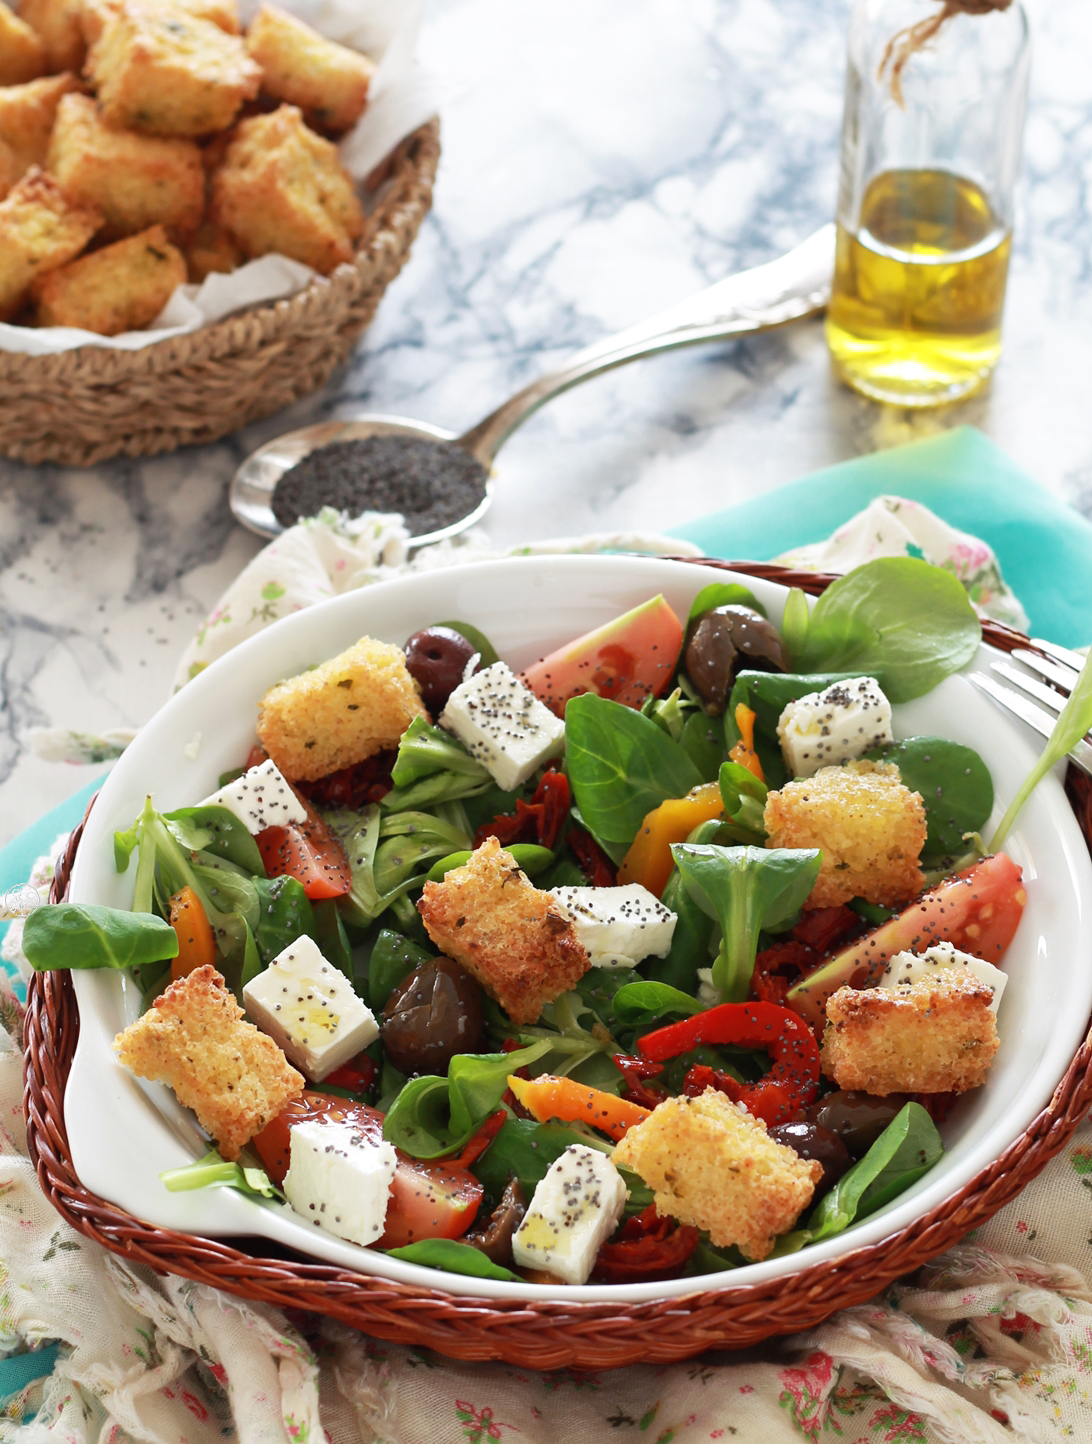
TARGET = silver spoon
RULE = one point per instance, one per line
(795, 286)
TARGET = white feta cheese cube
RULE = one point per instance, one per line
(575, 1209)
(618, 925)
(339, 1178)
(837, 725)
(261, 798)
(907, 968)
(308, 1007)
(503, 724)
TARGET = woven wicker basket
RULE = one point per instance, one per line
(80, 407)
(533, 1335)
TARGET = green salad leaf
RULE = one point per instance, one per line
(212, 1171)
(455, 1257)
(424, 750)
(746, 889)
(329, 932)
(83, 935)
(524, 1150)
(1073, 722)
(689, 941)
(635, 1005)
(724, 594)
(955, 786)
(227, 836)
(899, 619)
(284, 914)
(620, 766)
(532, 859)
(703, 741)
(393, 958)
(478, 640)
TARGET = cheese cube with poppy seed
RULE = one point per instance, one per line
(136, 180)
(711, 1164)
(513, 938)
(261, 798)
(22, 51)
(502, 723)
(194, 1039)
(40, 230)
(349, 708)
(121, 288)
(329, 82)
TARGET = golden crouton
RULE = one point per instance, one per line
(329, 82)
(282, 188)
(870, 827)
(711, 1163)
(27, 114)
(349, 708)
(9, 169)
(510, 936)
(123, 287)
(40, 229)
(210, 249)
(135, 180)
(160, 69)
(22, 50)
(95, 15)
(194, 1039)
(936, 1036)
(58, 24)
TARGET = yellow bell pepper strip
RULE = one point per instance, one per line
(744, 751)
(196, 943)
(793, 1079)
(649, 859)
(570, 1102)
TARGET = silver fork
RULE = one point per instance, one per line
(1050, 687)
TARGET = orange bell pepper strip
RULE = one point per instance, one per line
(570, 1102)
(196, 942)
(649, 859)
(744, 751)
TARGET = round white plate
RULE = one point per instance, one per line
(124, 1132)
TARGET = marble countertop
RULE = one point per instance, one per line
(597, 167)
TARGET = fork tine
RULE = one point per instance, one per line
(1052, 671)
(1039, 690)
(1027, 711)
(1063, 654)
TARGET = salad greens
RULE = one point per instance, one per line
(212, 1171)
(82, 935)
(747, 889)
(899, 619)
(724, 594)
(455, 1257)
(955, 786)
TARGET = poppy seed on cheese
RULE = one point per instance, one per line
(575, 1209)
(839, 724)
(503, 724)
(261, 798)
(907, 968)
(618, 925)
(339, 1179)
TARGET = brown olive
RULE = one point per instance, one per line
(436, 659)
(809, 1140)
(857, 1118)
(433, 1014)
(495, 1239)
(723, 641)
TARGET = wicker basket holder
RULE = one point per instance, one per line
(532, 1334)
(79, 407)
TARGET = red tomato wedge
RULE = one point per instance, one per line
(436, 1199)
(309, 852)
(978, 910)
(624, 660)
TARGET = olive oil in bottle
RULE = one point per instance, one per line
(919, 287)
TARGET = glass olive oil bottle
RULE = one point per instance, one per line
(930, 152)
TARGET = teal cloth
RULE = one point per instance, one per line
(20, 1370)
(1044, 546)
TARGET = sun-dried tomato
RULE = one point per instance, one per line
(780, 968)
(646, 1246)
(353, 787)
(539, 820)
(594, 862)
(635, 1071)
(822, 928)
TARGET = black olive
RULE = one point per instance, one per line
(436, 659)
(433, 1014)
(857, 1118)
(495, 1239)
(723, 641)
(809, 1140)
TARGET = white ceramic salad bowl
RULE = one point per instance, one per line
(123, 1133)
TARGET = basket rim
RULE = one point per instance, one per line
(541, 1334)
(416, 154)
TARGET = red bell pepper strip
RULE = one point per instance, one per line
(647, 1246)
(793, 1080)
(356, 1076)
(482, 1139)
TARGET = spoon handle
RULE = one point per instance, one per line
(788, 289)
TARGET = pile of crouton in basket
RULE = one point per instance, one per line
(144, 143)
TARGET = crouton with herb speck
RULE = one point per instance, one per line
(40, 230)
(123, 287)
(329, 82)
(712, 1164)
(939, 1035)
(195, 1039)
(870, 827)
(23, 53)
(27, 115)
(347, 709)
(504, 931)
